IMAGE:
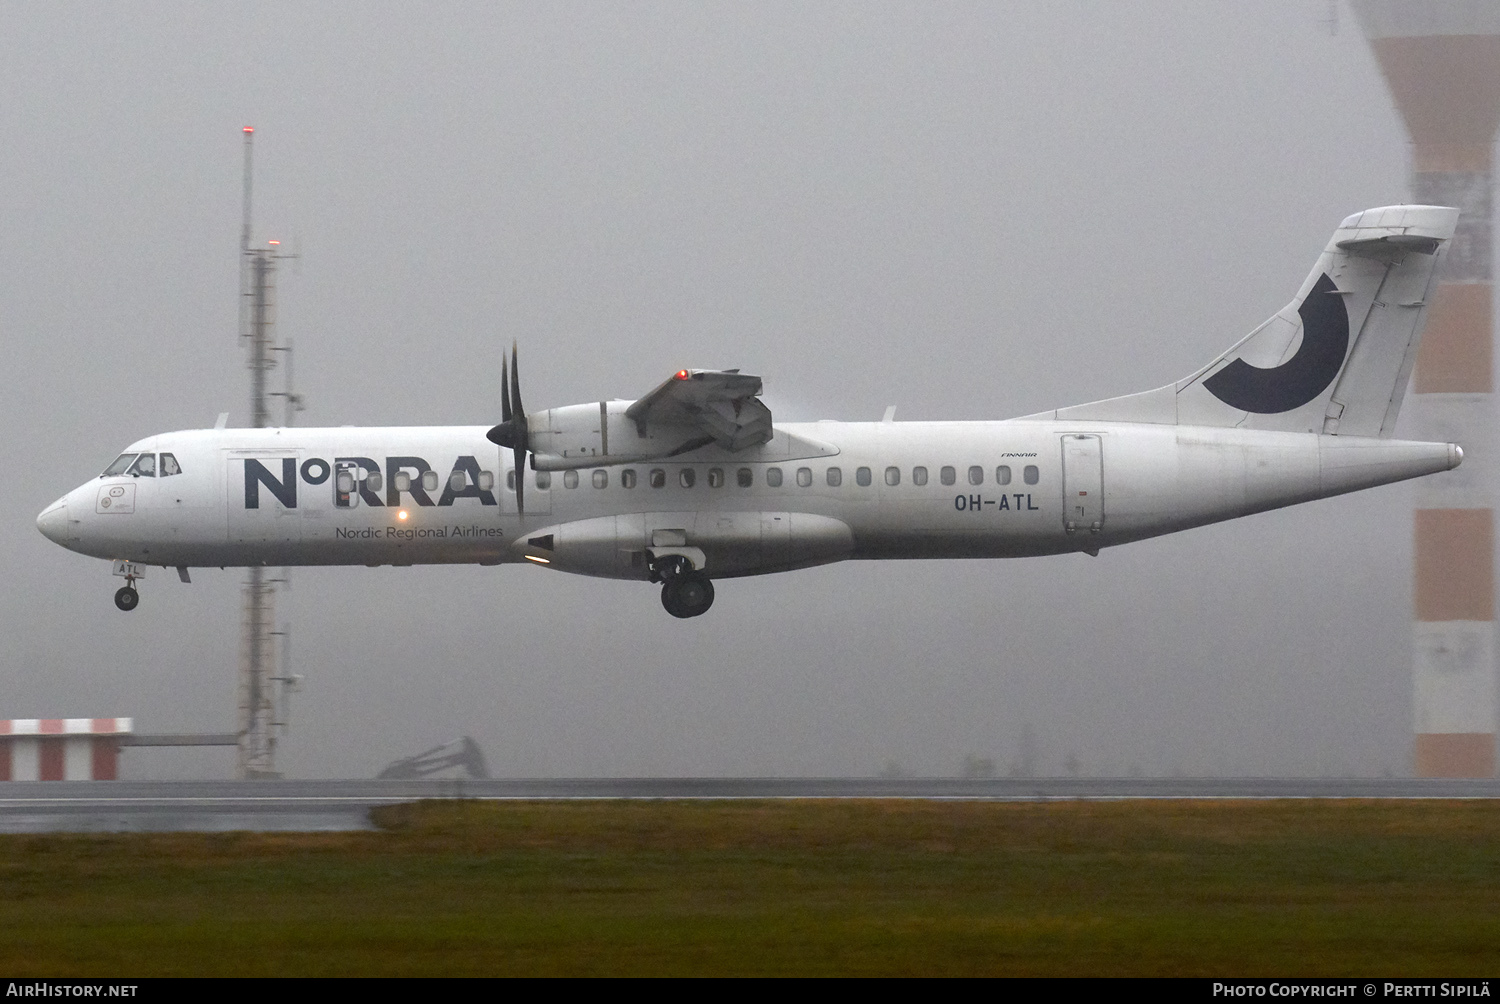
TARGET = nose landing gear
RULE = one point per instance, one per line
(126, 598)
(685, 591)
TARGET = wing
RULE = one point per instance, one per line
(722, 404)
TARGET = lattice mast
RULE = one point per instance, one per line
(263, 692)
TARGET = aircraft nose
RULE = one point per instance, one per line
(53, 522)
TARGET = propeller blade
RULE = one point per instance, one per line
(504, 433)
(513, 431)
(522, 434)
(504, 393)
(515, 382)
(520, 461)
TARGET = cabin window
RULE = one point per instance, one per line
(375, 481)
(345, 482)
(716, 477)
(510, 480)
(487, 481)
(947, 475)
(976, 475)
(144, 466)
(570, 479)
(169, 465)
(627, 478)
(919, 475)
(835, 477)
(658, 478)
(601, 479)
(804, 477)
(1002, 474)
(543, 480)
(773, 477)
(430, 480)
(402, 481)
(120, 466)
(862, 477)
(456, 481)
(687, 477)
(1031, 474)
(744, 477)
(893, 476)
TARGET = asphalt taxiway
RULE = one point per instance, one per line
(142, 806)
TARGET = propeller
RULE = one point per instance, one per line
(512, 431)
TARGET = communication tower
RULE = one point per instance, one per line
(263, 693)
(1441, 59)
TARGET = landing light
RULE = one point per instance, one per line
(539, 561)
(401, 515)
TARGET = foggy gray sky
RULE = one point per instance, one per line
(966, 210)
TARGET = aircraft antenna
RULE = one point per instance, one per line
(249, 133)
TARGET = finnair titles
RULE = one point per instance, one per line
(695, 482)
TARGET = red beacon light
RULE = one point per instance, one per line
(681, 375)
(249, 128)
(273, 243)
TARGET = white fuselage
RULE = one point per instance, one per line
(935, 490)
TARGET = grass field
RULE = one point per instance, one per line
(820, 887)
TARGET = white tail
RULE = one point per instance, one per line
(1336, 360)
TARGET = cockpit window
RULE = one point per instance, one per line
(144, 466)
(120, 466)
(169, 465)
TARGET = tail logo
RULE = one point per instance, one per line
(1325, 342)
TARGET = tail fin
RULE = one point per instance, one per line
(1336, 360)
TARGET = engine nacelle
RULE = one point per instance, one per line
(721, 544)
(602, 434)
(594, 435)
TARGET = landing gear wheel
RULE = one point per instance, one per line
(127, 598)
(688, 594)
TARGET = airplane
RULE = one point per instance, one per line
(694, 482)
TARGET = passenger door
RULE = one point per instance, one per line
(1083, 484)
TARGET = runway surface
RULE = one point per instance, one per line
(127, 806)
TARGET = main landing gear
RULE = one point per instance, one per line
(685, 591)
